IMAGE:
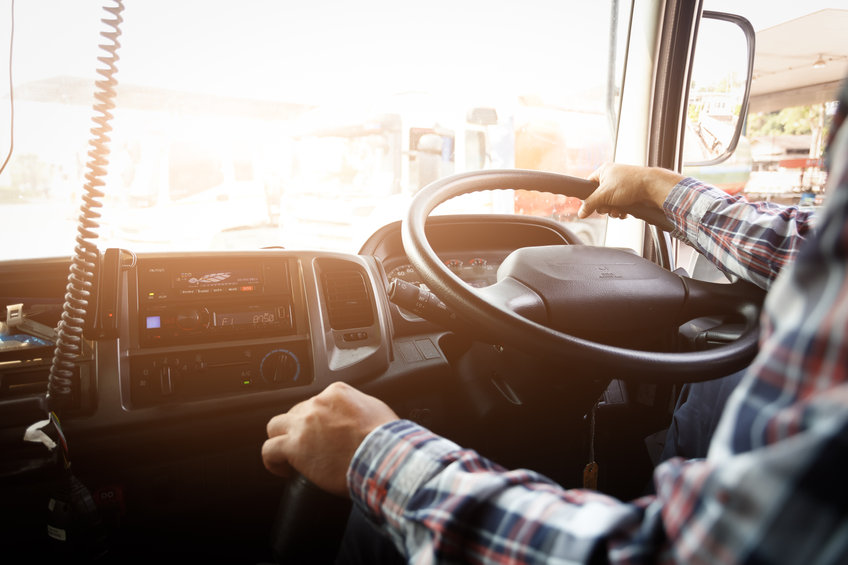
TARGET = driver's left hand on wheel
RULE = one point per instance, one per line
(319, 436)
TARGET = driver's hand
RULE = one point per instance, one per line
(319, 436)
(621, 187)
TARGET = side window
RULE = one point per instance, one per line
(787, 145)
(793, 89)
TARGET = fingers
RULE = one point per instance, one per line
(281, 423)
(274, 456)
(276, 425)
(277, 449)
(319, 436)
(590, 206)
(595, 201)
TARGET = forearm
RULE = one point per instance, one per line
(753, 241)
(440, 502)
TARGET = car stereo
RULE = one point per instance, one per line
(199, 300)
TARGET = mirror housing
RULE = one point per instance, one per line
(717, 101)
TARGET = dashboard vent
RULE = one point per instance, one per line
(348, 305)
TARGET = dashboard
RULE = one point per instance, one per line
(211, 331)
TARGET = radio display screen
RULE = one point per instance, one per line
(239, 278)
(254, 318)
(164, 281)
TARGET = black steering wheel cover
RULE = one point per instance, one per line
(579, 357)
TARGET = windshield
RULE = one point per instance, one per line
(308, 125)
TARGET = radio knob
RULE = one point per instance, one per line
(280, 367)
(191, 320)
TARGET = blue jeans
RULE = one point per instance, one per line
(696, 416)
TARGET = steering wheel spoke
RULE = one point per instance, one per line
(513, 295)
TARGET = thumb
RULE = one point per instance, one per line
(589, 205)
(590, 202)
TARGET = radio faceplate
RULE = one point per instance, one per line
(202, 300)
(193, 323)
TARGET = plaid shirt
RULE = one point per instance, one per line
(751, 240)
(773, 487)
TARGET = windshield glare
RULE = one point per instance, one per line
(301, 126)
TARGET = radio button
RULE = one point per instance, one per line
(192, 320)
(166, 381)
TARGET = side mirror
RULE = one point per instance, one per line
(719, 89)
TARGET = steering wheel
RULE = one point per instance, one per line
(545, 296)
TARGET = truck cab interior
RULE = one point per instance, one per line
(161, 300)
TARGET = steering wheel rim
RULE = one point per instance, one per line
(581, 356)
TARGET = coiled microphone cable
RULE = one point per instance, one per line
(86, 255)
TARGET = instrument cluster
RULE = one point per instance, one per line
(477, 271)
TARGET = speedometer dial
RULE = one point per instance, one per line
(406, 273)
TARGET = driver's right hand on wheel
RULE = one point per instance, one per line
(621, 188)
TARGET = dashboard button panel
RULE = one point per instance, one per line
(202, 373)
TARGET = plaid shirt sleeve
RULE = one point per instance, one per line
(444, 504)
(751, 240)
(771, 490)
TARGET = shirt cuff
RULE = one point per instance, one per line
(686, 205)
(389, 466)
